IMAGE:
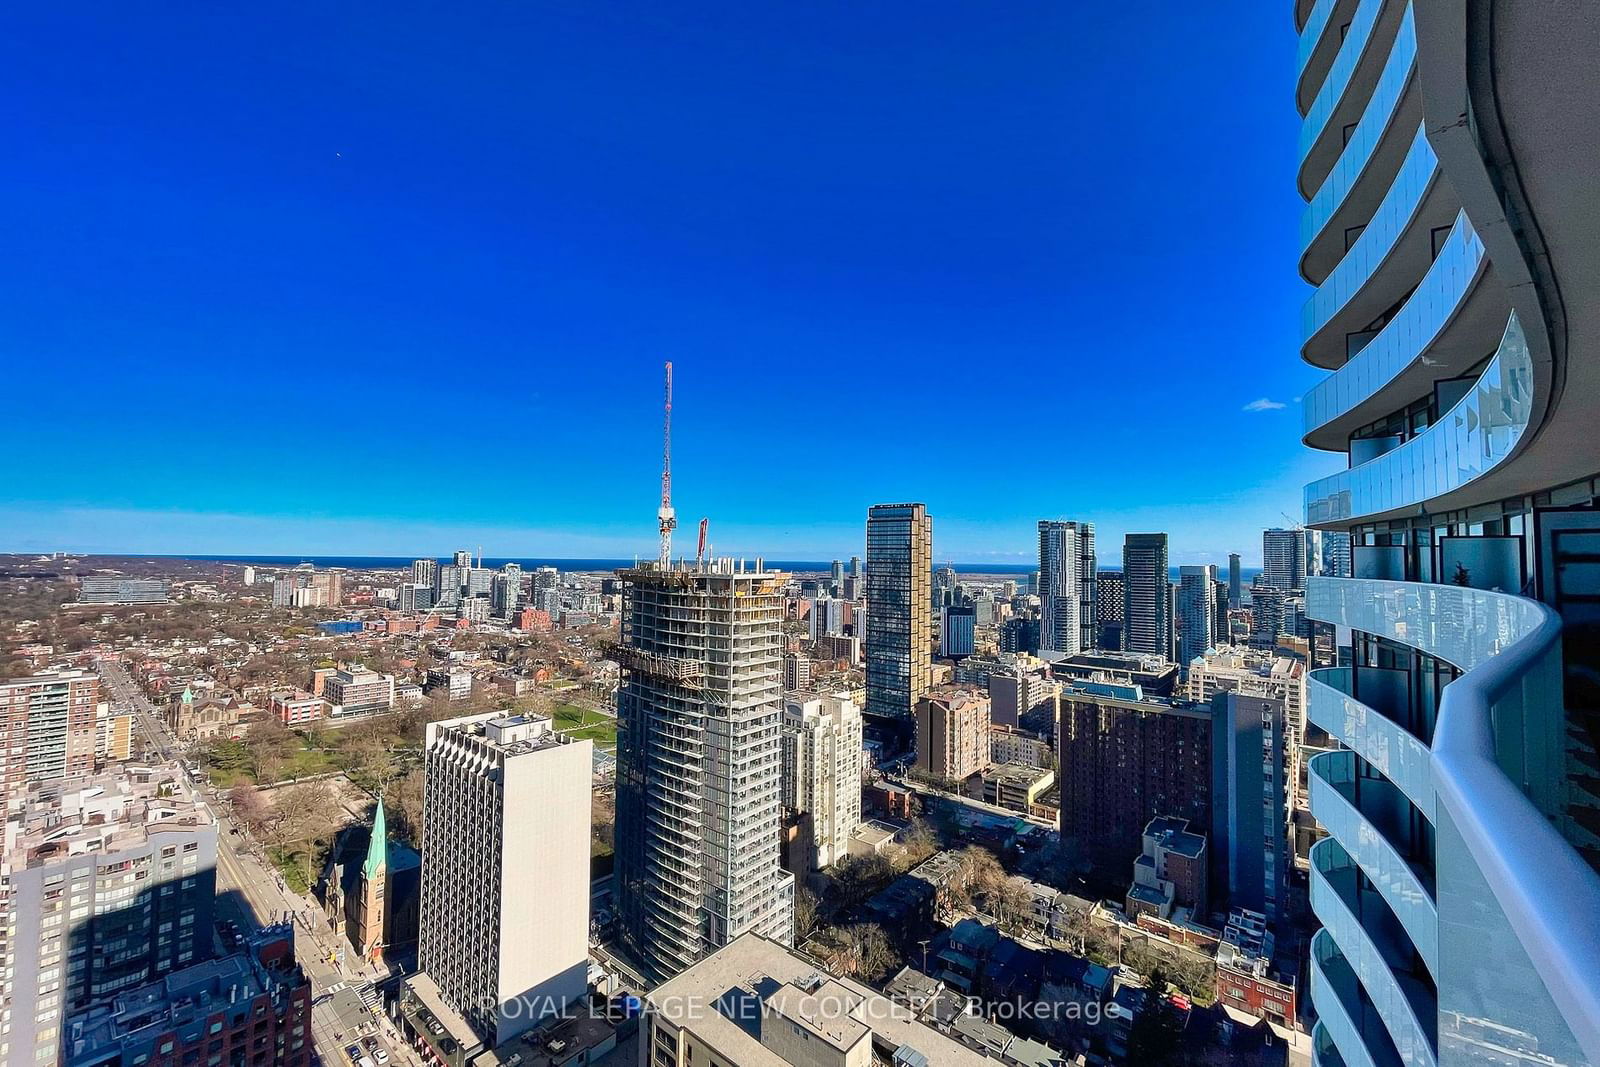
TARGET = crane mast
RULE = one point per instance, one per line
(667, 517)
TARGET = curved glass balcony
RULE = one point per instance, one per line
(1324, 1053)
(1356, 40)
(1406, 337)
(1401, 1002)
(1469, 440)
(1363, 842)
(1391, 748)
(1349, 1034)
(1516, 902)
(1314, 42)
(1375, 120)
(1463, 626)
(1377, 241)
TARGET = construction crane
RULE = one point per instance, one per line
(700, 548)
(668, 518)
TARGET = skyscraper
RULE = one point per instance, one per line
(1235, 581)
(1110, 594)
(699, 711)
(1066, 586)
(1447, 154)
(424, 572)
(1283, 559)
(503, 932)
(1197, 617)
(1147, 602)
(899, 608)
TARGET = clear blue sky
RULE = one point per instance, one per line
(393, 278)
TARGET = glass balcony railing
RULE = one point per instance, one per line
(1324, 1053)
(1518, 941)
(1406, 194)
(1362, 842)
(1375, 120)
(1405, 338)
(1468, 440)
(1391, 748)
(1386, 990)
(1344, 67)
(1337, 996)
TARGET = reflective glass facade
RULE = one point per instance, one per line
(1456, 892)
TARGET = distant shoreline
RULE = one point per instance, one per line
(605, 563)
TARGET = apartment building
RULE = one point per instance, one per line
(822, 767)
(953, 733)
(1447, 157)
(106, 883)
(358, 691)
(504, 916)
(49, 728)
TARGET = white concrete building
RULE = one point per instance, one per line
(822, 769)
(505, 870)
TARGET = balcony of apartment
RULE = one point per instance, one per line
(1474, 436)
(1400, 755)
(1349, 1030)
(1376, 828)
(1517, 940)
(1426, 348)
(1349, 196)
(1322, 31)
(1343, 94)
(1384, 264)
(1380, 955)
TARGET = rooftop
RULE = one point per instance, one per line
(99, 813)
(726, 998)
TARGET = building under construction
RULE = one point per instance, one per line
(699, 711)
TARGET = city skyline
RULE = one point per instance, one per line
(449, 224)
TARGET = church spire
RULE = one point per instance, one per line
(378, 846)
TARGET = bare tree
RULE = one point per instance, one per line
(805, 912)
(876, 957)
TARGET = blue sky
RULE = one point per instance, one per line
(390, 279)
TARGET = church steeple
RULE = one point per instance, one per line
(378, 847)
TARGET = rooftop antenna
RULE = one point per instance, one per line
(668, 518)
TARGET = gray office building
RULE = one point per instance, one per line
(1250, 803)
(123, 591)
(1235, 581)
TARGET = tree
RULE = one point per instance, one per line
(855, 878)
(918, 844)
(805, 913)
(304, 817)
(876, 957)
(1156, 1036)
(403, 802)
(249, 810)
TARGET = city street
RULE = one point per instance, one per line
(252, 895)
